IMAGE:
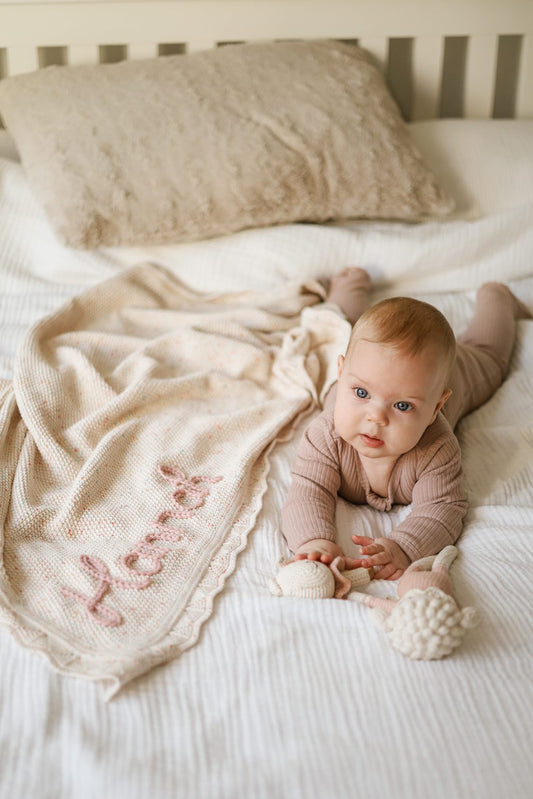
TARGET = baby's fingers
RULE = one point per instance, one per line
(380, 559)
(373, 549)
(389, 572)
(362, 540)
(315, 555)
(356, 563)
(367, 545)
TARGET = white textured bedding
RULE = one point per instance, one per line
(296, 698)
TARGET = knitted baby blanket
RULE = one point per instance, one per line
(134, 444)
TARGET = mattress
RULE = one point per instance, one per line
(297, 698)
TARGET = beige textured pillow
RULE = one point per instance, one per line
(186, 147)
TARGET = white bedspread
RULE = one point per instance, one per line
(301, 699)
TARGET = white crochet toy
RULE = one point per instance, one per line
(310, 579)
(425, 622)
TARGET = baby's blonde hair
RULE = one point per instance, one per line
(411, 326)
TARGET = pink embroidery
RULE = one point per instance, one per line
(149, 552)
(187, 489)
(188, 497)
(96, 568)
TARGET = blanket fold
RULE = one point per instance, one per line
(134, 446)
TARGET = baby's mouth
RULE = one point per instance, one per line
(371, 441)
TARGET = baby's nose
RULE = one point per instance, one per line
(377, 415)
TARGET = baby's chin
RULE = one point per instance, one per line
(364, 445)
(373, 453)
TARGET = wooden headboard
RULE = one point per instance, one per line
(447, 58)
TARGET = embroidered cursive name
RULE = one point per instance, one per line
(189, 495)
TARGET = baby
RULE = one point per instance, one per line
(385, 435)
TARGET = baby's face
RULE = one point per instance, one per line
(386, 399)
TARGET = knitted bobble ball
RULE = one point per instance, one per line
(427, 625)
(308, 579)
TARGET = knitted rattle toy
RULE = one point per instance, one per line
(311, 579)
(425, 622)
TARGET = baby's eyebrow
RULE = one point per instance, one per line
(355, 377)
(411, 398)
(408, 397)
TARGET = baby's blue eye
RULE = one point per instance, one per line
(403, 406)
(362, 393)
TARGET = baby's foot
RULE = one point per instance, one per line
(349, 290)
(521, 311)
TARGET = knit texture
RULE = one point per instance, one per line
(428, 624)
(309, 579)
(185, 147)
(134, 452)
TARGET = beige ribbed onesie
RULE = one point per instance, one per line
(430, 475)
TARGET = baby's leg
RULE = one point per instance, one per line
(493, 326)
(349, 290)
(484, 349)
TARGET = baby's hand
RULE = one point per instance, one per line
(325, 551)
(319, 549)
(387, 557)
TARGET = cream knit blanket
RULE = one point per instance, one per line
(134, 445)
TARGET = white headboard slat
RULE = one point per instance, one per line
(378, 46)
(524, 93)
(21, 59)
(200, 44)
(428, 57)
(480, 73)
(83, 54)
(140, 50)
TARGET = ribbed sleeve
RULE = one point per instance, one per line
(439, 501)
(310, 508)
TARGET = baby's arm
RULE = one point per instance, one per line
(439, 502)
(308, 516)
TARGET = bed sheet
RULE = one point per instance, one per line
(295, 698)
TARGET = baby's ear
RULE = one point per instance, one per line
(340, 365)
(445, 396)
